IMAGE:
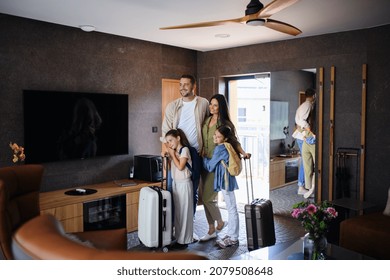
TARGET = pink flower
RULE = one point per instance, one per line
(314, 217)
(296, 212)
(332, 212)
(311, 209)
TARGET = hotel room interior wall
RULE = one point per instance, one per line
(347, 51)
(43, 56)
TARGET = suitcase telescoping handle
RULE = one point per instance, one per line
(166, 167)
(246, 177)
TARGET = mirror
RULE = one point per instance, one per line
(286, 87)
(274, 98)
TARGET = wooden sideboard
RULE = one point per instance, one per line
(69, 208)
(277, 170)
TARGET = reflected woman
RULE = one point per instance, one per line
(80, 140)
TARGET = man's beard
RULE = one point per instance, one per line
(185, 93)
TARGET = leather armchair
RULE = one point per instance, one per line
(43, 238)
(25, 234)
(368, 234)
(19, 201)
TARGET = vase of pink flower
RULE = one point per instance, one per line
(315, 218)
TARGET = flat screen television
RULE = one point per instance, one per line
(74, 125)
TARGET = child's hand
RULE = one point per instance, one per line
(171, 152)
(247, 155)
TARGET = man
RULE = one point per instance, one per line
(302, 126)
(308, 153)
(188, 114)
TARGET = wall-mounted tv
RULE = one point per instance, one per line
(74, 125)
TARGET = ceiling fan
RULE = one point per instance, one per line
(256, 14)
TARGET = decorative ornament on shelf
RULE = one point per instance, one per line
(315, 219)
(18, 151)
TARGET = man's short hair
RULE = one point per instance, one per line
(310, 92)
(188, 76)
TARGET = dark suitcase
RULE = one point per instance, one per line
(259, 219)
(155, 217)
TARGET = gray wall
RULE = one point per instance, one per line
(42, 56)
(346, 51)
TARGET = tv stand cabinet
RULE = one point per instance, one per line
(69, 208)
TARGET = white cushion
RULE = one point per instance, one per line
(387, 208)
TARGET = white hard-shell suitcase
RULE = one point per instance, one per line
(155, 217)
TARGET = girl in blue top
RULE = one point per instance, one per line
(224, 182)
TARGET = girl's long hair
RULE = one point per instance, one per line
(230, 138)
(176, 133)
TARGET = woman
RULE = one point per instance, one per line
(219, 115)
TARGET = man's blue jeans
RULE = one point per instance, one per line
(301, 172)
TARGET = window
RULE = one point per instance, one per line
(242, 114)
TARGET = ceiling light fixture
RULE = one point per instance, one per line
(256, 22)
(87, 28)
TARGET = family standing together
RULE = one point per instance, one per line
(193, 121)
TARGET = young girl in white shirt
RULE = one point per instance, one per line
(182, 189)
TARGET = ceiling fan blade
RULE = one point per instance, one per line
(282, 27)
(207, 24)
(274, 7)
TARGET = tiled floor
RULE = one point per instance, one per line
(286, 228)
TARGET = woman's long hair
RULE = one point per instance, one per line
(223, 108)
(224, 116)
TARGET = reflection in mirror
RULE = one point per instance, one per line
(286, 87)
(264, 132)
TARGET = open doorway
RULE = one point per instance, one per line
(249, 100)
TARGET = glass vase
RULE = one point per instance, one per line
(314, 248)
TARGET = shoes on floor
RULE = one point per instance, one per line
(226, 242)
(223, 238)
(302, 190)
(309, 193)
(178, 246)
(225, 223)
(208, 237)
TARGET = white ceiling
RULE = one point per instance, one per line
(141, 19)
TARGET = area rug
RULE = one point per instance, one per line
(282, 200)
